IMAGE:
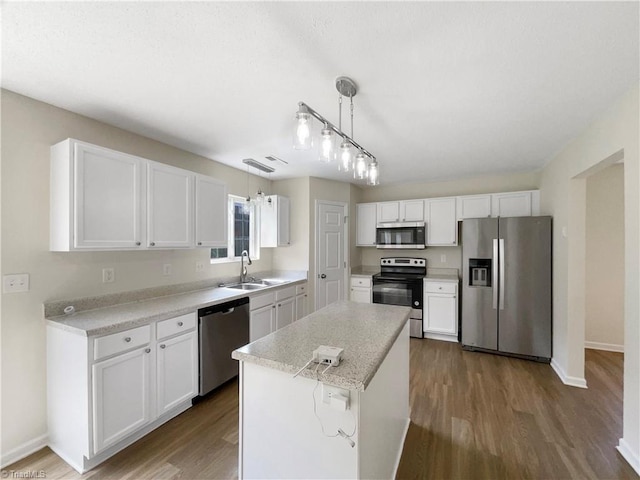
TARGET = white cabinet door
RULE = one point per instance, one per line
(261, 322)
(388, 212)
(108, 190)
(412, 211)
(211, 212)
(301, 306)
(366, 217)
(473, 206)
(121, 400)
(360, 295)
(274, 222)
(442, 226)
(169, 206)
(177, 371)
(515, 204)
(441, 314)
(285, 312)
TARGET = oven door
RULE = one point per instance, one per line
(406, 293)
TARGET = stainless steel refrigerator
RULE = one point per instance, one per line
(506, 294)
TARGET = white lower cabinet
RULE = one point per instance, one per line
(177, 373)
(105, 392)
(276, 309)
(121, 400)
(440, 310)
(361, 291)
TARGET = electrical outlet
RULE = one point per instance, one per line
(15, 283)
(166, 269)
(443, 258)
(328, 391)
(108, 275)
(199, 266)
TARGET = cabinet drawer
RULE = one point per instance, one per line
(285, 293)
(260, 301)
(302, 288)
(171, 326)
(361, 282)
(438, 287)
(121, 341)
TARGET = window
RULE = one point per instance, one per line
(242, 232)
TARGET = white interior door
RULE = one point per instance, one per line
(330, 253)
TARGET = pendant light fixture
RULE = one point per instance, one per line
(328, 151)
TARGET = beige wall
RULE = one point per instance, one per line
(605, 259)
(29, 128)
(434, 255)
(295, 256)
(563, 195)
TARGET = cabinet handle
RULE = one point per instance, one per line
(152, 244)
(273, 306)
(305, 295)
(127, 339)
(180, 324)
(163, 346)
(279, 304)
(138, 244)
(199, 243)
(147, 350)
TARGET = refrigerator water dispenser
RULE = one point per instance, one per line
(479, 272)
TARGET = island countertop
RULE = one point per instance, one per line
(366, 332)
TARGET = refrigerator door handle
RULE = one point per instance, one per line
(494, 273)
(502, 274)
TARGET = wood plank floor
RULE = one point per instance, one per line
(473, 415)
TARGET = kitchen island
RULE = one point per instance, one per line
(297, 426)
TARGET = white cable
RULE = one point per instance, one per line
(305, 366)
(315, 412)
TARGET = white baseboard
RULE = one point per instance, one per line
(441, 336)
(566, 379)
(609, 347)
(23, 450)
(399, 457)
(628, 455)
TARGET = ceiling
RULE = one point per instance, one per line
(446, 90)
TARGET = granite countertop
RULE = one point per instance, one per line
(124, 316)
(441, 277)
(364, 271)
(366, 332)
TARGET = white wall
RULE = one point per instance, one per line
(29, 128)
(605, 259)
(563, 195)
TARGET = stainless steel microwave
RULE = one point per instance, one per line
(400, 235)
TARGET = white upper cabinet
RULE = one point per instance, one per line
(211, 212)
(169, 206)
(515, 204)
(101, 199)
(274, 222)
(403, 211)
(473, 206)
(442, 226)
(366, 224)
(96, 198)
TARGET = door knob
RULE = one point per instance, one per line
(323, 276)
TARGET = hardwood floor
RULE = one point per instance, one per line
(474, 416)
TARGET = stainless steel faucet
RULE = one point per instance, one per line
(243, 267)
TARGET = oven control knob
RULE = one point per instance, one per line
(416, 303)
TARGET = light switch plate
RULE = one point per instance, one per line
(14, 283)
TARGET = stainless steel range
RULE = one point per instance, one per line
(400, 282)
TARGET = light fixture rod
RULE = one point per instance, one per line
(339, 132)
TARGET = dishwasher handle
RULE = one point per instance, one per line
(224, 308)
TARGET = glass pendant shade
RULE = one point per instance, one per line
(327, 145)
(302, 139)
(360, 168)
(346, 157)
(374, 174)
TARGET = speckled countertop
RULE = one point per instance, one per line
(366, 332)
(442, 278)
(121, 317)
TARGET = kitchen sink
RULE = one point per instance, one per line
(247, 286)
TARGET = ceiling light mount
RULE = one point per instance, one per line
(346, 87)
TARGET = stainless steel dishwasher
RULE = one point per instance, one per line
(221, 329)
